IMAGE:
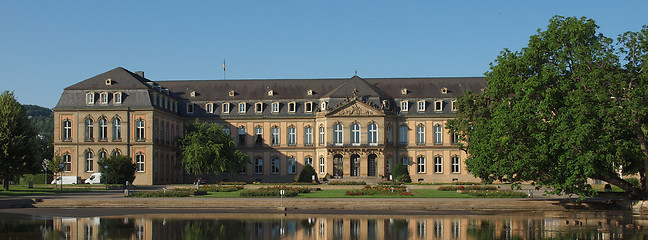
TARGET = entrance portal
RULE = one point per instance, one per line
(371, 165)
(337, 166)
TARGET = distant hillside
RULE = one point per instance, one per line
(42, 118)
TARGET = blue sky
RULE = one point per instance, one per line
(46, 46)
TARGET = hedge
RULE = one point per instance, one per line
(147, 194)
(274, 191)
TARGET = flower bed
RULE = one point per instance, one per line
(380, 190)
(213, 188)
(231, 183)
(467, 188)
(337, 182)
(498, 194)
(274, 191)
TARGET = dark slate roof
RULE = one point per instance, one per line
(357, 86)
(121, 79)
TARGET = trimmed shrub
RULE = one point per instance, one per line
(274, 191)
(306, 174)
(212, 188)
(347, 183)
(401, 174)
(380, 190)
(36, 178)
(498, 194)
(232, 183)
(474, 187)
(389, 183)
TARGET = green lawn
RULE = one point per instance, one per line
(341, 193)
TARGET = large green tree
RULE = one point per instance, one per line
(558, 112)
(17, 139)
(206, 149)
(117, 169)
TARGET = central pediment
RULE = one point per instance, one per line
(355, 108)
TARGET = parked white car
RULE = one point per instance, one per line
(95, 178)
(67, 180)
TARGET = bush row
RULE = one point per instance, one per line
(336, 182)
(380, 190)
(232, 183)
(498, 194)
(212, 188)
(274, 191)
(473, 187)
(147, 194)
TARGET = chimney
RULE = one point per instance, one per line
(140, 73)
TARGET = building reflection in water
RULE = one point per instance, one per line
(273, 226)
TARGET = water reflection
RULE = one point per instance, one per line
(570, 225)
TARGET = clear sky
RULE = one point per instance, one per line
(46, 46)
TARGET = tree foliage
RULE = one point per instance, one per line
(401, 174)
(120, 169)
(306, 174)
(560, 111)
(17, 139)
(206, 149)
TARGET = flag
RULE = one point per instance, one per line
(223, 65)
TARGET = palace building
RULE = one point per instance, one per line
(354, 128)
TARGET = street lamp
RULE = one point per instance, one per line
(105, 177)
(62, 166)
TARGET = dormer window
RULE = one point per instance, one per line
(404, 106)
(192, 94)
(270, 93)
(117, 98)
(190, 107)
(438, 106)
(209, 107)
(323, 106)
(404, 91)
(231, 93)
(226, 107)
(242, 107)
(421, 106)
(90, 98)
(275, 107)
(103, 98)
(309, 92)
(258, 107)
(108, 82)
(454, 105)
(292, 107)
(385, 104)
(444, 90)
(308, 107)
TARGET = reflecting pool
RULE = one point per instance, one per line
(528, 225)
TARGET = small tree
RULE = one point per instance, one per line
(17, 139)
(117, 169)
(54, 165)
(306, 174)
(401, 173)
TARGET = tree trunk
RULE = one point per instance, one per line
(633, 191)
(644, 149)
(6, 184)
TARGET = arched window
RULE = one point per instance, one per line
(292, 165)
(456, 163)
(103, 129)
(116, 129)
(292, 135)
(258, 135)
(438, 134)
(338, 134)
(308, 136)
(420, 134)
(89, 129)
(402, 134)
(275, 135)
(438, 164)
(373, 134)
(89, 161)
(321, 136)
(275, 165)
(355, 134)
(67, 162)
(420, 164)
(241, 135)
(102, 155)
(258, 165)
(139, 162)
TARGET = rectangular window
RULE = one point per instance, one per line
(258, 107)
(308, 161)
(139, 130)
(308, 136)
(103, 98)
(402, 135)
(274, 166)
(275, 107)
(420, 165)
(117, 98)
(292, 107)
(103, 129)
(421, 106)
(438, 164)
(355, 134)
(275, 136)
(67, 130)
(373, 134)
(209, 107)
(292, 136)
(242, 107)
(438, 106)
(321, 165)
(89, 162)
(337, 134)
(455, 164)
(258, 133)
(67, 163)
(292, 166)
(390, 134)
(190, 107)
(139, 162)
(226, 107)
(258, 166)
(455, 138)
(404, 106)
(454, 105)
(116, 129)
(90, 98)
(308, 107)
(405, 161)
